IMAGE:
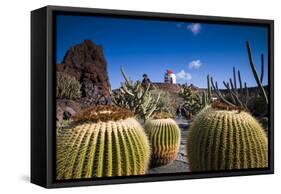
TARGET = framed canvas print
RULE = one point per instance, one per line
(125, 96)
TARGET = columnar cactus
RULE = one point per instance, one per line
(164, 135)
(105, 141)
(136, 98)
(191, 99)
(226, 138)
(239, 95)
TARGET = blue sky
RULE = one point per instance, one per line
(191, 50)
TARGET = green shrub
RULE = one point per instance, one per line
(166, 102)
(192, 99)
(68, 87)
(257, 106)
(63, 124)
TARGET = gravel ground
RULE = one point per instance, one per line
(181, 163)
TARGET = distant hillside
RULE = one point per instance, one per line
(173, 88)
(252, 90)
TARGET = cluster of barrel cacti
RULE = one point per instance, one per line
(226, 139)
(136, 98)
(164, 135)
(105, 141)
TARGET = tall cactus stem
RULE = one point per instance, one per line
(253, 67)
(209, 87)
(262, 67)
(246, 93)
(216, 90)
(234, 78)
(240, 82)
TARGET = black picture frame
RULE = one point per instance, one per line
(43, 99)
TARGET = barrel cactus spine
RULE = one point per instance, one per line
(105, 141)
(164, 135)
(222, 139)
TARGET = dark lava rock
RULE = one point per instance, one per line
(66, 109)
(86, 62)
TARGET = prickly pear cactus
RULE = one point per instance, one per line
(105, 141)
(226, 139)
(164, 135)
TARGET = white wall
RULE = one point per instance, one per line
(15, 89)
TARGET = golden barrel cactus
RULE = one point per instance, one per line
(105, 141)
(225, 138)
(164, 136)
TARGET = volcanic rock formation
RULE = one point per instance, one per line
(86, 62)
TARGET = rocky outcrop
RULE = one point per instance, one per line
(66, 109)
(86, 62)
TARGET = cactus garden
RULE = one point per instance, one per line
(135, 110)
